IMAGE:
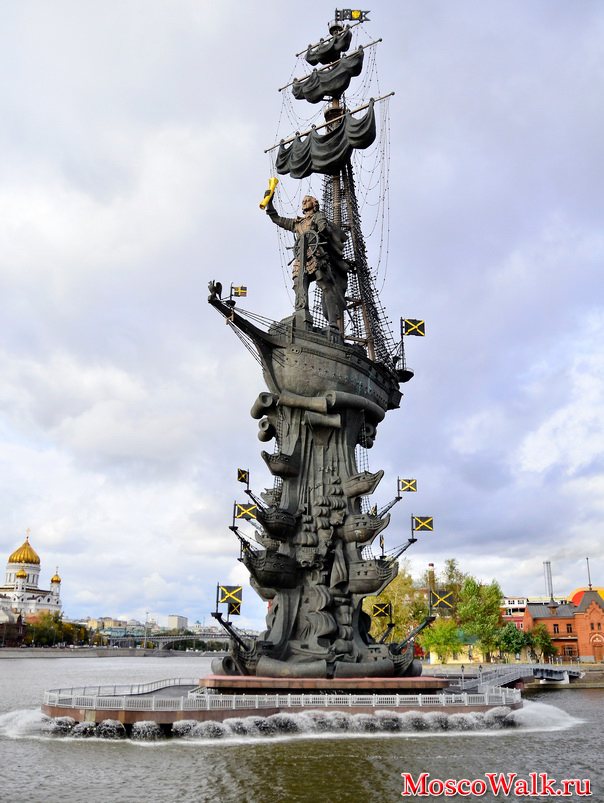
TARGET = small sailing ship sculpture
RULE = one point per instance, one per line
(332, 373)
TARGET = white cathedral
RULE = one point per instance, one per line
(20, 593)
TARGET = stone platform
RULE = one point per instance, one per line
(218, 698)
(251, 684)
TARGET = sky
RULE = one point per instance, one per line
(132, 137)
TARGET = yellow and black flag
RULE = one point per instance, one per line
(240, 291)
(407, 485)
(413, 326)
(352, 14)
(230, 594)
(441, 598)
(420, 523)
(244, 510)
(234, 609)
(382, 609)
(243, 475)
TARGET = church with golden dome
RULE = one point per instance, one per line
(21, 593)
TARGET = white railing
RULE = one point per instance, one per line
(114, 691)
(484, 680)
(238, 702)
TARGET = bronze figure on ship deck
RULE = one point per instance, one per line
(317, 257)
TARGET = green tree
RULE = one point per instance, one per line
(442, 638)
(45, 630)
(540, 642)
(511, 640)
(479, 612)
(451, 579)
(409, 605)
(48, 629)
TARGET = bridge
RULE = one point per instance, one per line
(508, 674)
(161, 641)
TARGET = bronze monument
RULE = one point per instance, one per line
(332, 371)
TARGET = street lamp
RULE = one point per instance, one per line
(145, 635)
(462, 671)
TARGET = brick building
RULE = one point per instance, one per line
(577, 631)
(512, 608)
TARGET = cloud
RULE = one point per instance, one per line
(571, 438)
(133, 166)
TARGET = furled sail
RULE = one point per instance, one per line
(332, 82)
(327, 153)
(330, 49)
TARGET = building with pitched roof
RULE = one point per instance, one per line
(576, 631)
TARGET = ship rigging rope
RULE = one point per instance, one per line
(370, 85)
(286, 103)
(371, 171)
(384, 247)
(294, 111)
(281, 240)
(391, 555)
(246, 342)
(374, 190)
(368, 179)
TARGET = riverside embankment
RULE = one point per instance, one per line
(97, 652)
(593, 673)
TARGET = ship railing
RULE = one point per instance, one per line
(242, 702)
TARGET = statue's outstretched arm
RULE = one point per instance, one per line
(283, 222)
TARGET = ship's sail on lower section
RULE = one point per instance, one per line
(327, 153)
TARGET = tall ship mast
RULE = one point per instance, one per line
(332, 370)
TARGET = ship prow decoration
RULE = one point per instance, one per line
(332, 370)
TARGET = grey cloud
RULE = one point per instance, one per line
(133, 168)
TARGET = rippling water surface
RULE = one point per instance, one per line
(557, 732)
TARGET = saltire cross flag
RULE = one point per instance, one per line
(407, 485)
(413, 326)
(382, 609)
(243, 475)
(441, 598)
(244, 510)
(230, 594)
(420, 523)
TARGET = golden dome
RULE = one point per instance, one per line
(25, 554)
(21, 573)
(55, 579)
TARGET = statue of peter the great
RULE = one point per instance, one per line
(317, 257)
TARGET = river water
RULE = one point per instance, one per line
(558, 732)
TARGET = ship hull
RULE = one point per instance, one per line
(307, 361)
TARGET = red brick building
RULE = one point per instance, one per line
(577, 631)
